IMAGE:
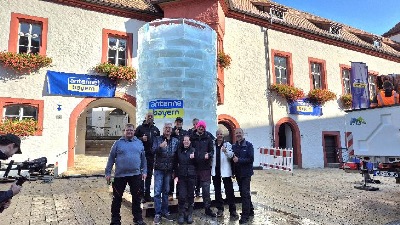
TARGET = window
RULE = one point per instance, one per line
(372, 84)
(19, 109)
(377, 43)
(335, 29)
(317, 74)
(28, 34)
(276, 13)
(282, 67)
(20, 112)
(345, 74)
(117, 47)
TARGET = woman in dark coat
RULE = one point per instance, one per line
(186, 175)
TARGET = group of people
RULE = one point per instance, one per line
(192, 158)
(10, 144)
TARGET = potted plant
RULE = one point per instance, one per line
(224, 60)
(25, 127)
(288, 92)
(116, 72)
(24, 62)
(320, 96)
(346, 100)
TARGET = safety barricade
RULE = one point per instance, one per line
(277, 158)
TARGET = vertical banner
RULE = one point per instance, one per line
(359, 85)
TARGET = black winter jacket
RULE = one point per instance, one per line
(182, 133)
(151, 132)
(185, 166)
(165, 157)
(202, 145)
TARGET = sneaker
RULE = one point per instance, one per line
(220, 213)
(157, 219)
(140, 222)
(243, 221)
(234, 215)
(148, 199)
(168, 217)
(210, 213)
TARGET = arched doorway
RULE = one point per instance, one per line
(79, 120)
(228, 124)
(287, 135)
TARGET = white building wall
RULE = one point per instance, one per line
(74, 42)
(245, 85)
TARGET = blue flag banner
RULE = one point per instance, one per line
(301, 107)
(59, 83)
(359, 85)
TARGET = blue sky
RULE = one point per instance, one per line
(374, 16)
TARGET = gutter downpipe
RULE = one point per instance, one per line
(268, 81)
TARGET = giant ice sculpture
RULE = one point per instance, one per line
(177, 64)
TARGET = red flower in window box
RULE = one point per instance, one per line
(320, 96)
(116, 72)
(24, 62)
(25, 127)
(224, 60)
(290, 93)
(346, 100)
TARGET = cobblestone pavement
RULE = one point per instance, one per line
(309, 197)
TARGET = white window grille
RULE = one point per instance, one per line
(371, 85)
(20, 112)
(281, 74)
(29, 37)
(346, 81)
(335, 29)
(117, 51)
(277, 13)
(316, 75)
(377, 43)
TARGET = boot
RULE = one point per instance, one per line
(190, 215)
(181, 218)
(209, 212)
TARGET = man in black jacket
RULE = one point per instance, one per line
(165, 148)
(204, 148)
(9, 145)
(146, 133)
(243, 168)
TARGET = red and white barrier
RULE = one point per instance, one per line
(277, 158)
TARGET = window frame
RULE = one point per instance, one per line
(16, 19)
(289, 65)
(106, 33)
(39, 104)
(375, 75)
(343, 68)
(324, 84)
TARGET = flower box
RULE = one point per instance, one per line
(320, 96)
(24, 62)
(116, 72)
(346, 100)
(288, 92)
(25, 127)
(224, 60)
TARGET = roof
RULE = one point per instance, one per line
(311, 23)
(143, 6)
(395, 30)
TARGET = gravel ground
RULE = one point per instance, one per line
(309, 196)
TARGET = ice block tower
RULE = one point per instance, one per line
(177, 72)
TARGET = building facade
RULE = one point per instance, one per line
(268, 44)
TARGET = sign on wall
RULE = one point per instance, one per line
(301, 107)
(163, 108)
(59, 83)
(359, 85)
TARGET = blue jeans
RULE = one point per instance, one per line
(161, 189)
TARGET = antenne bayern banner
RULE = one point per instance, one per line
(166, 108)
(359, 85)
(59, 83)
